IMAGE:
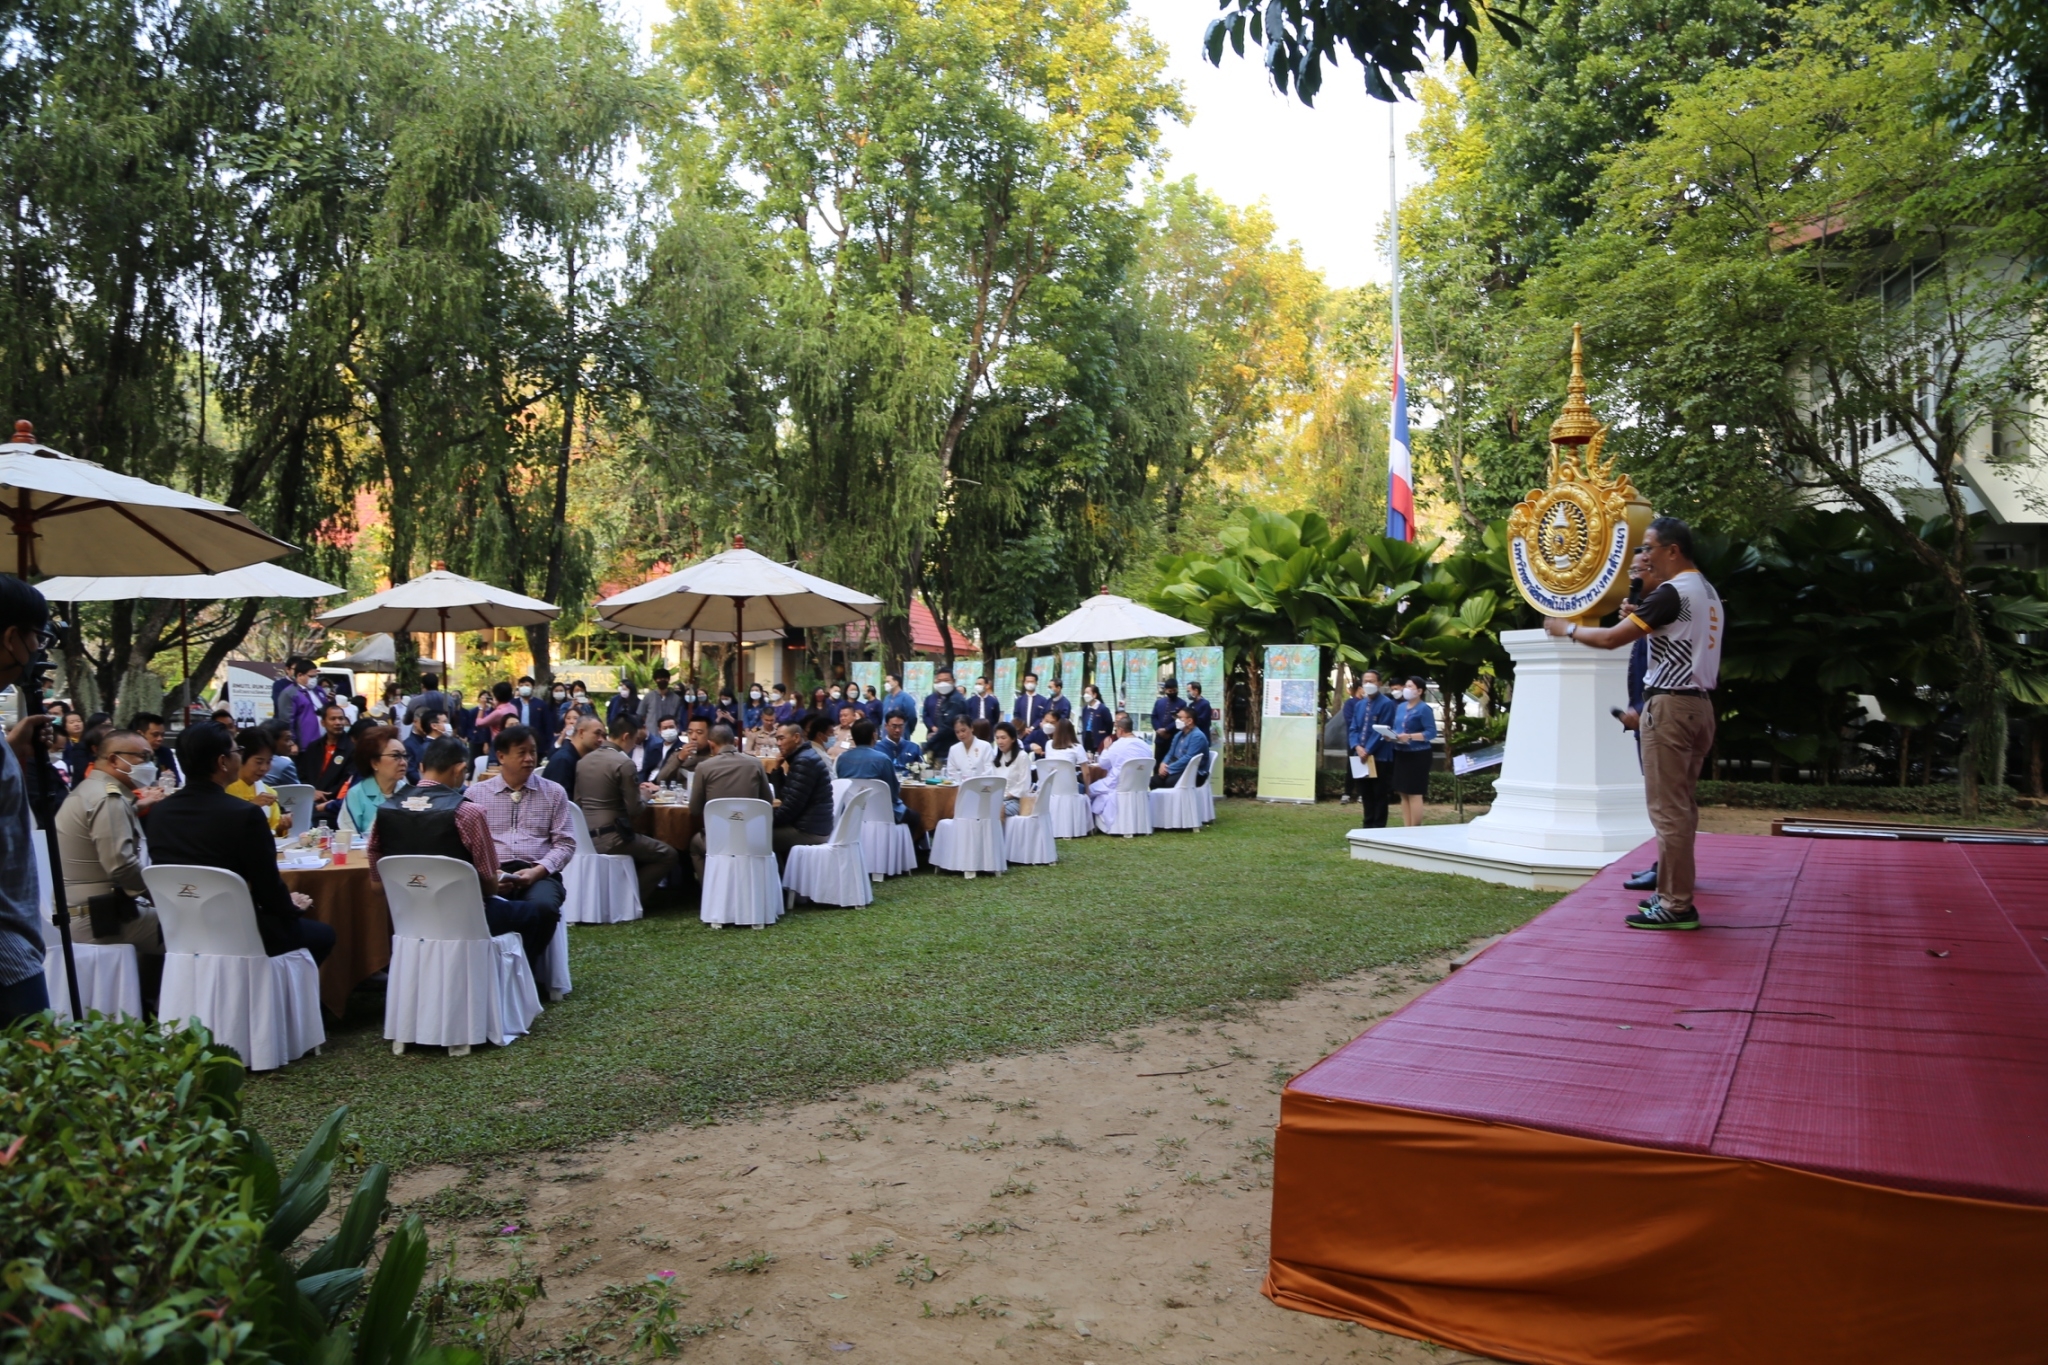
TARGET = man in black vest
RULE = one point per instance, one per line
(434, 819)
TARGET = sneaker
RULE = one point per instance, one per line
(1655, 915)
(1646, 880)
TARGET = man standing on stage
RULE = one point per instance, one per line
(1685, 623)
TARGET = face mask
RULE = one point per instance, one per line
(942, 688)
(668, 736)
(835, 694)
(525, 691)
(754, 695)
(143, 774)
(1180, 722)
(889, 687)
(1371, 689)
(1410, 694)
(560, 694)
(1030, 687)
(444, 728)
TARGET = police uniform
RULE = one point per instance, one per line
(100, 840)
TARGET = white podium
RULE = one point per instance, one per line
(1569, 799)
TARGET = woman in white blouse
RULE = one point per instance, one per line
(1013, 765)
(971, 754)
(1064, 745)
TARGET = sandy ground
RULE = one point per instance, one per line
(1108, 1202)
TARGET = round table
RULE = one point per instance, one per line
(673, 825)
(344, 898)
(932, 804)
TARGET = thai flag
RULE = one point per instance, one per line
(1400, 469)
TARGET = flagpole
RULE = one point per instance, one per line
(1400, 466)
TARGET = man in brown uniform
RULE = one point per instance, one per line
(723, 771)
(99, 837)
(609, 790)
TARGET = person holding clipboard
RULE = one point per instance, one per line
(1413, 732)
(1367, 737)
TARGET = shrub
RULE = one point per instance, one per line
(139, 1221)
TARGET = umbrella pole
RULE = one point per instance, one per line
(185, 654)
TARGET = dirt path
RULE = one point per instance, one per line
(1064, 1207)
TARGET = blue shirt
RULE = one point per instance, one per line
(1162, 712)
(900, 704)
(1029, 710)
(1414, 716)
(1189, 746)
(900, 756)
(21, 937)
(1361, 714)
(867, 760)
(751, 714)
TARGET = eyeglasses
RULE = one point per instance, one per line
(398, 754)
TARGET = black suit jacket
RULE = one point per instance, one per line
(202, 825)
(322, 768)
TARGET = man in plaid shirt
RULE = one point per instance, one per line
(529, 819)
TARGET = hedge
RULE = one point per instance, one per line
(140, 1221)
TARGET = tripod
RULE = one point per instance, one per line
(44, 799)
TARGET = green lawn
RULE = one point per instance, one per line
(671, 1020)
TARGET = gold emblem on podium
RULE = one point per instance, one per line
(1569, 544)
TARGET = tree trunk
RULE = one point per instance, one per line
(2034, 756)
(1905, 752)
(897, 645)
(539, 639)
(228, 642)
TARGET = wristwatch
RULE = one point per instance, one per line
(1571, 632)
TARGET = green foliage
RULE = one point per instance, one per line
(140, 1221)
(1389, 40)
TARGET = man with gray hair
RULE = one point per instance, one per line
(1124, 746)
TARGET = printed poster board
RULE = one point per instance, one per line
(1202, 664)
(1006, 683)
(1139, 678)
(248, 691)
(866, 675)
(1287, 724)
(1073, 675)
(917, 684)
(965, 671)
(1043, 665)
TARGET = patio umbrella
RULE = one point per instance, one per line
(1104, 619)
(65, 515)
(377, 654)
(440, 602)
(254, 580)
(737, 590)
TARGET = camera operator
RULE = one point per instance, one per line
(24, 636)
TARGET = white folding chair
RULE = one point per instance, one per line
(1028, 838)
(597, 888)
(452, 984)
(972, 841)
(741, 885)
(297, 800)
(215, 970)
(835, 872)
(109, 974)
(1205, 789)
(1130, 805)
(1064, 804)
(1177, 807)
(886, 846)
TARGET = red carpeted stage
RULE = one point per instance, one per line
(1814, 1131)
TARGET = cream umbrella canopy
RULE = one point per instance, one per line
(440, 602)
(63, 515)
(1104, 619)
(737, 590)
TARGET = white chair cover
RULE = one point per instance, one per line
(1061, 801)
(598, 888)
(215, 970)
(835, 872)
(842, 787)
(1205, 796)
(297, 800)
(972, 841)
(1028, 838)
(741, 885)
(886, 847)
(1130, 810)
(554, 968)
(451, 983)
(109, 975)
(1177, 807)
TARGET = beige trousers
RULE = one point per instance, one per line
(1677, 733)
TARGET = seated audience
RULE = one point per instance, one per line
(684, 757)
(896, 745)
(585, 733)
(803, 792)
(380, 775)
(99, 839)
(864, 759)
(252, 783)
(1065, 745)
(200, 824)
(1190, 745)
(284, 755)
(611, 795)
(529, 819)
(971, 754)
(1126, 746)
(1011, 764)
(724, 772)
